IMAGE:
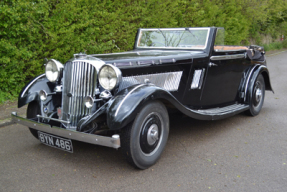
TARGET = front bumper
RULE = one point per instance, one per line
(113, 141)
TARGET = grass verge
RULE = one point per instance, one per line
(275, 45)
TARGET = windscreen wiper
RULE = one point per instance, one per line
(187, 29)
(165, 40)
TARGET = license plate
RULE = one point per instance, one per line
(57, 142)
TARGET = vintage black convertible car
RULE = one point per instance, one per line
(123, 99)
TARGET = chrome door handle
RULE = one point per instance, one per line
(212, 65)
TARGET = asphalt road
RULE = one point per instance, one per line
(240, 153)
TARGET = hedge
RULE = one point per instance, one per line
(33, 30)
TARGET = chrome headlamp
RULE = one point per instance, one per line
(53, 69)
(109, 77)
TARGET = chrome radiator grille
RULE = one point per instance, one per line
(79, 81)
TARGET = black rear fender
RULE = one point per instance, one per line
(250, 83)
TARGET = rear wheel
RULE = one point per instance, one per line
(32, 111)
(257, 97)
(143, 141)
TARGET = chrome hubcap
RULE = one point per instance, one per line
(152, 134)
(258, 94)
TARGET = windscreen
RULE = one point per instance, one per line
(184, 38)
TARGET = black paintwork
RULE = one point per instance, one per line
(33, 88)
(123, 108)
(223, 84)
(260, 69)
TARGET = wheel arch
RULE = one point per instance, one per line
(31, 90)
(124, 107)
(250, 82)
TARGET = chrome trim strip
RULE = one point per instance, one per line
(162, 61)
(232, 50)
(113, 141)
(146, 62)
(127, 97)
(248, 79)
(144, 51)
(28, 86)
(122, 64)
(120, 53)
(227, 57)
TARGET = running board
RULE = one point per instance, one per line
(223, 112)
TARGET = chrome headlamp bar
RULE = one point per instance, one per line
(43, 95)
(89, 101)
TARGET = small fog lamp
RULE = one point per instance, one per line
(43, 95)
(89, 102)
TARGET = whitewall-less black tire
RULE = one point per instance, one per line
(144, 140)
(32, 111)
(257, 97)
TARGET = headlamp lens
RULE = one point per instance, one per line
(109, 77)
(53, 68)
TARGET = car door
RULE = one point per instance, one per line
(223, 77)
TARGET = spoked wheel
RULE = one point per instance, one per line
(32, 111)
(257, 97)
(144, 140)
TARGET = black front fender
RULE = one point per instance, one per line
(124, 107)
(31, 91)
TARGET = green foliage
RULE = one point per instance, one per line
(18, 60)
(32, 30)
(273, 46)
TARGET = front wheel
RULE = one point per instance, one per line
(257, 97)
(143, 141)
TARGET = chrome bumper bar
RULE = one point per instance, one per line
(113, 141)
